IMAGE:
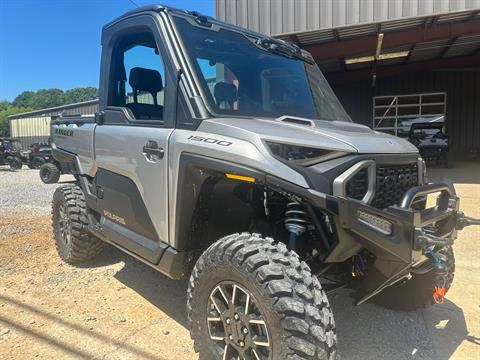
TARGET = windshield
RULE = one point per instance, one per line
(241, 78)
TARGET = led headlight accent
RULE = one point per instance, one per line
(376, 222)
(302, 155)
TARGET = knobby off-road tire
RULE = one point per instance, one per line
(69, 215)
(416, 293)
(15, 163)
(49, 173)
(282, 293)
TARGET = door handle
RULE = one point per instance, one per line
(152, 151)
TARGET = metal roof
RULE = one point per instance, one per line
(83, 108)
(449, 46)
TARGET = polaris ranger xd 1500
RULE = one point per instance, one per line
(223, 155)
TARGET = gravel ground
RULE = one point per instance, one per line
(117, 308)
(23, 191)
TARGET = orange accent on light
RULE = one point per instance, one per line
(240, 177)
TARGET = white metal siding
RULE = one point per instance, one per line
(34, 126)
(276, 17)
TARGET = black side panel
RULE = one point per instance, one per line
(121, 202)
(141, 246)
(198, 176)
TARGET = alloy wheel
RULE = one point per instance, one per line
(236, 325)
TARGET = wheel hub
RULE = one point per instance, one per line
(237, 330)
(236, 325)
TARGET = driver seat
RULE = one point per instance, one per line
(150, 81)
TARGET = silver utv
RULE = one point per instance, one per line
(223, 155)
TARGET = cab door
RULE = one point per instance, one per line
(131, 140)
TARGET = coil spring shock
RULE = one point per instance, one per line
(296, 222)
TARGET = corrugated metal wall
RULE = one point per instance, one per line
(34, 127)
(463, 100)
(274, 17)
(31, 130)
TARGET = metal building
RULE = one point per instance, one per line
(34, 126)
(391, 62)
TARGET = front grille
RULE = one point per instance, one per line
(391, 184)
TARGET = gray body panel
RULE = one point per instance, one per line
(330, 135)
(77, 139)
(119, 150)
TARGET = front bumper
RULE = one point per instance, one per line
(398, 236)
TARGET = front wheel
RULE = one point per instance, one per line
(249, 298)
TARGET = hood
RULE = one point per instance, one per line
(329, 135)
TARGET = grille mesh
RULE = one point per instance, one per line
(392, 183)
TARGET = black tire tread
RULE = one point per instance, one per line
(308, 328)
(54, 173)
(83, 245)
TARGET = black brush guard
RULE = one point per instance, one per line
(414, 234)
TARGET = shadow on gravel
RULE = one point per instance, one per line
(110, 255)
(75, 350)
(461, 173)
(371, 332)
(364, 332)
(166, 294)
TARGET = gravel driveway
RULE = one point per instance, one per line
(117, 308)
(23, 192)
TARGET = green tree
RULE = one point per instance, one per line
(46, 98)
(81, 94)
(24, 99)
(41, 99)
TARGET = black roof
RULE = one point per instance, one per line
(158, 8)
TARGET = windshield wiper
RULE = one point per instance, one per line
(282, 47)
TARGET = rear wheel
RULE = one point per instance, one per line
(250, 298)
(15, 163)
(69, 215)
(417, 292)
(49, 173)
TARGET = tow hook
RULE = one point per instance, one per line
(464, 221)
(440, 276)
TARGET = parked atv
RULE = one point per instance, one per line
(40, 153)
(432, 142)
(11, 153)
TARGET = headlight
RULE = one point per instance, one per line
(376, 222)
(302, 155)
